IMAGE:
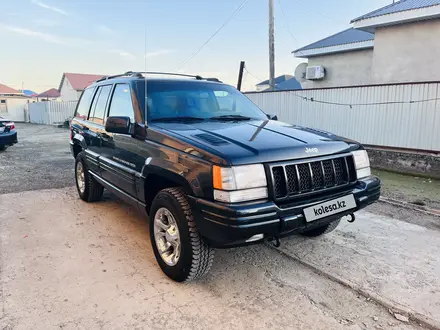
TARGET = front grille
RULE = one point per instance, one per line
(314, 175)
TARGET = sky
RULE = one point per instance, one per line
(43, 39)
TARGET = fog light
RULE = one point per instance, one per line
(255, 238)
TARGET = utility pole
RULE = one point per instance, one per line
(271, 47)
(240, 75)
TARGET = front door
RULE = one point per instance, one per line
(120, 161)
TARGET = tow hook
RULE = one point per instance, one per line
(351, 218)
(275, 241)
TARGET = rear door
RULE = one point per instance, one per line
(119, 157)
(80, 127)
(95, 125)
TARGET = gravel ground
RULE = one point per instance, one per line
(66, 264)
(41, 159)
(71, 265)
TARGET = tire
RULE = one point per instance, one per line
(195, 255)
(321, 230)
(91, 190)
(3, 147)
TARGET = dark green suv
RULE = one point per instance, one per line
(210, 168)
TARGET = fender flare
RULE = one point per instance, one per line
(169, 175)
(78, 139)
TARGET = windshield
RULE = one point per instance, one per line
(189, 100)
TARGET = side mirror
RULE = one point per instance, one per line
(272, 117)
(120, 125)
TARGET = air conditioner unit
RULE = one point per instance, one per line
(315, 72)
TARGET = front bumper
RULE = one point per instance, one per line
(226, 225)
(9, 138)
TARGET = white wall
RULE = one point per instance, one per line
(342, 69)
(16, 108)
(68, 93)
(407, 125)
(407, 53)
(51, 112)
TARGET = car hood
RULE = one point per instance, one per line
(246, 142)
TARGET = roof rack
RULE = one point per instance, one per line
(139, 74)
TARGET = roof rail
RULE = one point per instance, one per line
(139, 74)
(128, 73)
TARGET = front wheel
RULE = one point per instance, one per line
(179, 249)
(321, 230)
(3, 147)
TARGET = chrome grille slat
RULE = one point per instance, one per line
(296, 178)
(288, 189)
(334, 172)
(311, 177)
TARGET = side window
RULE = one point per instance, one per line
(121, 104)
(82, 111)
(99, 105)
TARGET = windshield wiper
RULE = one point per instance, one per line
(182, 118)
(230, 117)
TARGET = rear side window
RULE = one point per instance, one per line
(121, 104)
(98, 109)
(82, 111)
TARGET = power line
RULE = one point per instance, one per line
(350, 105)
(287, 22)
(215, 33)
(252, 75)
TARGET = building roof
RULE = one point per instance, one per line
(28, 92)
(277, 80)
(79, 81)
(8, 90)
(52, 93)
(290, 84)
(341, 38)
(397, 7)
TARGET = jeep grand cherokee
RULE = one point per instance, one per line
(210, 168)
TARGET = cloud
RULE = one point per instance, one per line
(11, 14)
(45, 22)
(48, 37)
(159, 52)
(45, 6)
(105, 30)
(30, 33)
(124, 54)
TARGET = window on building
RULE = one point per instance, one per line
(3, 106)
(82, 110)
(98, 109)
(121, 103)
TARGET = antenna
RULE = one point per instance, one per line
(145, 58)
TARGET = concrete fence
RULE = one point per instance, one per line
(398, 115)
(51, 112)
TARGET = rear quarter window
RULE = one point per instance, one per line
(82, 111)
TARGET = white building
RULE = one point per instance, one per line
(13, 104)
(72, 85)
(398, 43)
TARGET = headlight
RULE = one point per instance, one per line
(362, 163)
(239, 183)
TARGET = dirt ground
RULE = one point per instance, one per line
(66, 264)
(41, 159)
(419, 191)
